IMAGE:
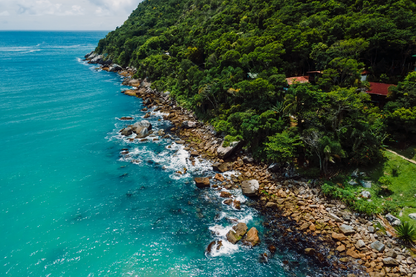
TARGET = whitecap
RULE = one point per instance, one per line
(227, 248)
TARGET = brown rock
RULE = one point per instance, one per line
(201, 182)
(252, 237)
(310, 251)
(272, 249)
(225, 194)
(282, 194)
(352, 253)
(312, 227)
(237, 204)
(271, 205)
(217, 244)
(341, 248)
(219, 177)
(344, 259)
(280, 201)
(339, 237)
(221, 167)
(304, 226)
(130, 92)
(228, 202)
(237, 233)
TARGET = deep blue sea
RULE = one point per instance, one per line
(72, 205)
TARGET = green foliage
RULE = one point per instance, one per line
(229, 139)
(227, 60)
(282, 147)
(350, 195)
(400, 112)
(406, 232)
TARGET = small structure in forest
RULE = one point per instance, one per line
(378, 92)
(364, 75)
(310, 78)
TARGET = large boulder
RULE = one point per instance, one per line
(225, 152)
(127, 131)
(201, 182)
(130, 92)
(221, 167)
(250, 188)
(390, 261)
(346, 229)
(252, 237)
(87, 56)
(132, 82)
(365, 184)
(97, 59)
(189, 124)
(142, 128)
(394, 221)
(214, 245)
(365, 194)
(225, 194)
(115, 68)
(377, 245)
(144, 124)
(274, 167)
(237, 233)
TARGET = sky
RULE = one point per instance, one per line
(64, 14)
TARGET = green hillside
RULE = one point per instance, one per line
(228, 60)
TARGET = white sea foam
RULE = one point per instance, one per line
(227, 248)
(220, 231)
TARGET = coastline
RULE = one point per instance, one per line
(296, 213)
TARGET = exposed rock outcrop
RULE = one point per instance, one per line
(252, 237)
(201, 182)
(225, 152)
(250, 188)
(237, 233)
(142, 128)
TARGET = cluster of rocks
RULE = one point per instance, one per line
(141, 129)
(343, 239)
(107, 64)
(237, 233)
(350, 237)
(239, 230)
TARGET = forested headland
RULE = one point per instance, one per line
(228, 61)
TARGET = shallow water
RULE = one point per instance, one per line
(72, 205)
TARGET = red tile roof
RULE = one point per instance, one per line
(299, 79)
(379, 88)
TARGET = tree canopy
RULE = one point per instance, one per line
(228, 59)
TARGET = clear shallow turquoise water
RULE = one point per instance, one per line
(72, 205)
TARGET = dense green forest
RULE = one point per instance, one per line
(228, 60)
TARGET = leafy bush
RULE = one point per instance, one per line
(282, 147)
(348, 195)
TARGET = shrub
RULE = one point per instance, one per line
(406, 232)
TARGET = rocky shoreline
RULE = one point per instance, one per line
(297, 214)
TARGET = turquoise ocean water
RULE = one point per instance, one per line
(72, 205)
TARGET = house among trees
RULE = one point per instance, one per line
(298, 79)
(310, 78)
(378, 92)
(364, 75)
